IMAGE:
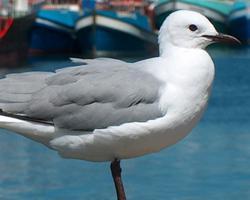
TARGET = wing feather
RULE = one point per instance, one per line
(98, 94)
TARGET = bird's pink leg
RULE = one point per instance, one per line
(116, 173)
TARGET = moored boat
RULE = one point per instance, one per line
(15, 26)
(217, 11)
(239, 21)
(54, 29)
(115, 28)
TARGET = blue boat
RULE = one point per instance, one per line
(216, 10)
(239, 21)
(53, 31)
(109, 31)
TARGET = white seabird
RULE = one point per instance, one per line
(107, 109)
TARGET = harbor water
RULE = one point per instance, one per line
(211, 163)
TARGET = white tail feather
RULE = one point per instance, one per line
(39, 132)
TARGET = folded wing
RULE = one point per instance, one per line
(98, 94)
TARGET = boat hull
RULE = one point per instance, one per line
(217, 17)
(14, 45)
(53, 33)
(101, 35)
(239, 23)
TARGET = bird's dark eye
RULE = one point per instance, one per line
(192, 27)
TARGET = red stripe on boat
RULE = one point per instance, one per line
(5, 25)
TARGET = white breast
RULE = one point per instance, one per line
(187, 81)
(183, 101)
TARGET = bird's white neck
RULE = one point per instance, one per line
(167, 49)
(188, 74)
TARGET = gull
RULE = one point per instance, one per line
(106, 109)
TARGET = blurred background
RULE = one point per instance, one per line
(212, 163)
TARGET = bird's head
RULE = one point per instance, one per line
(189, 29)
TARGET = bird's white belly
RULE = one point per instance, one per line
(128, 140)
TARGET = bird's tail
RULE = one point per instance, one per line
(35, 130)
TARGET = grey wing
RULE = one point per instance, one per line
(16, 90)
(99, 94)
